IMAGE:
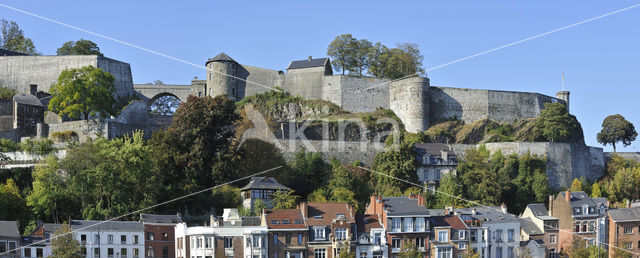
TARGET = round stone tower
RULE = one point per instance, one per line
(564, 95)
(222, 73)
(409, 99)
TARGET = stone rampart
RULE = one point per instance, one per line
(6, 115)
(409, 100)
(357, 96)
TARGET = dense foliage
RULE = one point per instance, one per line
(81, 92)
(6, 93)
(615, 128)
(80, 47)
(65, 245)
(13, 38)
(555, 124)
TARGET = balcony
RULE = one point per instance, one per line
(228, 252)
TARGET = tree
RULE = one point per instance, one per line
(52, 197)
(342, 52)
(64, 245)
(12, 204)
(80, 47)
(624, 185)
(319, 195)
(595, 190)
(395, 63)
(226, 196)
(409, 250)
(13, 38)
(449, 192)
(615, 128)
(359, 61)
(347, 252)
(557, 125)
(81, 92)
(576, 185)
(396, 164)
(258, 207)
(284, 200)
(165, 105)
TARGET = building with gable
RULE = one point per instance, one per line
(537, 223)
(624, 230)
(579, 215)
(332, 227)
(159, 233)
(434, 161)
(371, 239)
(449, 236)
(10, 239)
(260, 188)
(288, 233)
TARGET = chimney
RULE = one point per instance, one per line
(33, 89)
(303, 208)
(474, 211)
(448, 210)
(567, 196)
(445, 155)
(310, 58)
(503, 207)
(550, 205)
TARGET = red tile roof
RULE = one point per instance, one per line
(451, 220)
(289, 216)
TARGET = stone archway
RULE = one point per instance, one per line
(164, 104)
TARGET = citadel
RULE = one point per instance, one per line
(417, 103)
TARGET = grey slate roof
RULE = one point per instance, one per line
(306, 63)
(403, 206)
(538, 209)
(491, 214)
(579, 199)
(4, 52)
(221, 57)
(264, 183)
(530, 228)
(625, 214)
(27, 99)
(9, 229)
(153, 218)
(434, 149)
(94, 225)
(251, 221)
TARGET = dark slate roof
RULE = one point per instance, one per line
(530, 228)
(222, 57)
(251, 221)
(264, 183)
(306, 63)
(403, 206)
(579, 199)
(90, 225)
(9, 229)
(4, 52)
(434, 149)
(625, 214)
(490, 214)
(153, 218)
(538, 209)
(27, 99)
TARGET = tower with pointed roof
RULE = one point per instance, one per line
(222, 76)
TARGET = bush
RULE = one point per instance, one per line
(65, 136)
(7, 145)
(6, 93)
(37, 146)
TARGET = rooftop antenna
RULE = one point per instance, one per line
(562, 81)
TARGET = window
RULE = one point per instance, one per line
(592, 226)
(288, 238)
(420, 226)
(444, 253)
(275, 222)
(165, 236)
(286, 222)
(27, 252)
(297, 221)
(510, 235)
(462, 245)
(498, 235)
(208, 242)
(135, 240)
(150, 236)
(12, 246)
(443, 236)
(552, 238)
(3, 246)
(498, 252)
(341, 233)
(123, 239)
(109, 239)
(628, 245)
(165, 252)
(83, 239)
(110, 252)
(396, 224)
(461, 234)
(319, 232)
(96, 252)
(395, 243)
(228, 242)
(150, 252)
(275, 239)
(40, 252)
(408, 225)
(377, 238)
(420, 242)
(299, 238)
(199, 242)
(257, 241)
(628, 229)
(123, 252)
(96, 239)
(472, 235)
(510, 252)
(320, 253)
(484, 235)
(136, 252)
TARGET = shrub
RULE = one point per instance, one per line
(37, 146)
(6, 93)
(7, 145)
(65, 136)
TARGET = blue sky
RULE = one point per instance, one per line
(600, 59)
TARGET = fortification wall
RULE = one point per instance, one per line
(260, 77)
(355, 97)
(409, 100)
(305, 82)
(627, 155)
(84, 128)
(18, 72)
(346, 152)
(564, 161)
(332, 89)
(6, 115)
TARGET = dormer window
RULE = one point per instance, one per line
(461, 234)
(585, 209)
(297, 221)
(340, 216)
(275, 222)
(577, 210)
(317, 217)
(319, 233)
(286, 221)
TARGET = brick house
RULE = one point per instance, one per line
(537, 223)
(159, 231)
(331, 227)
(449, 236)
(624, 230)
(288, 233)
(371, 241)
(578, 214)
(404, 218)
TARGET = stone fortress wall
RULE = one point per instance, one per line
(18, 72)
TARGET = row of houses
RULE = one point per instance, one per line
(389, 226)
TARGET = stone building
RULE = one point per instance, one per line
(580, 214)
(28, 112)
(9, 239)
(624, 230)
(537, 223)
(288, 233)
(159, 231)
(260, 188)
(434, 161)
